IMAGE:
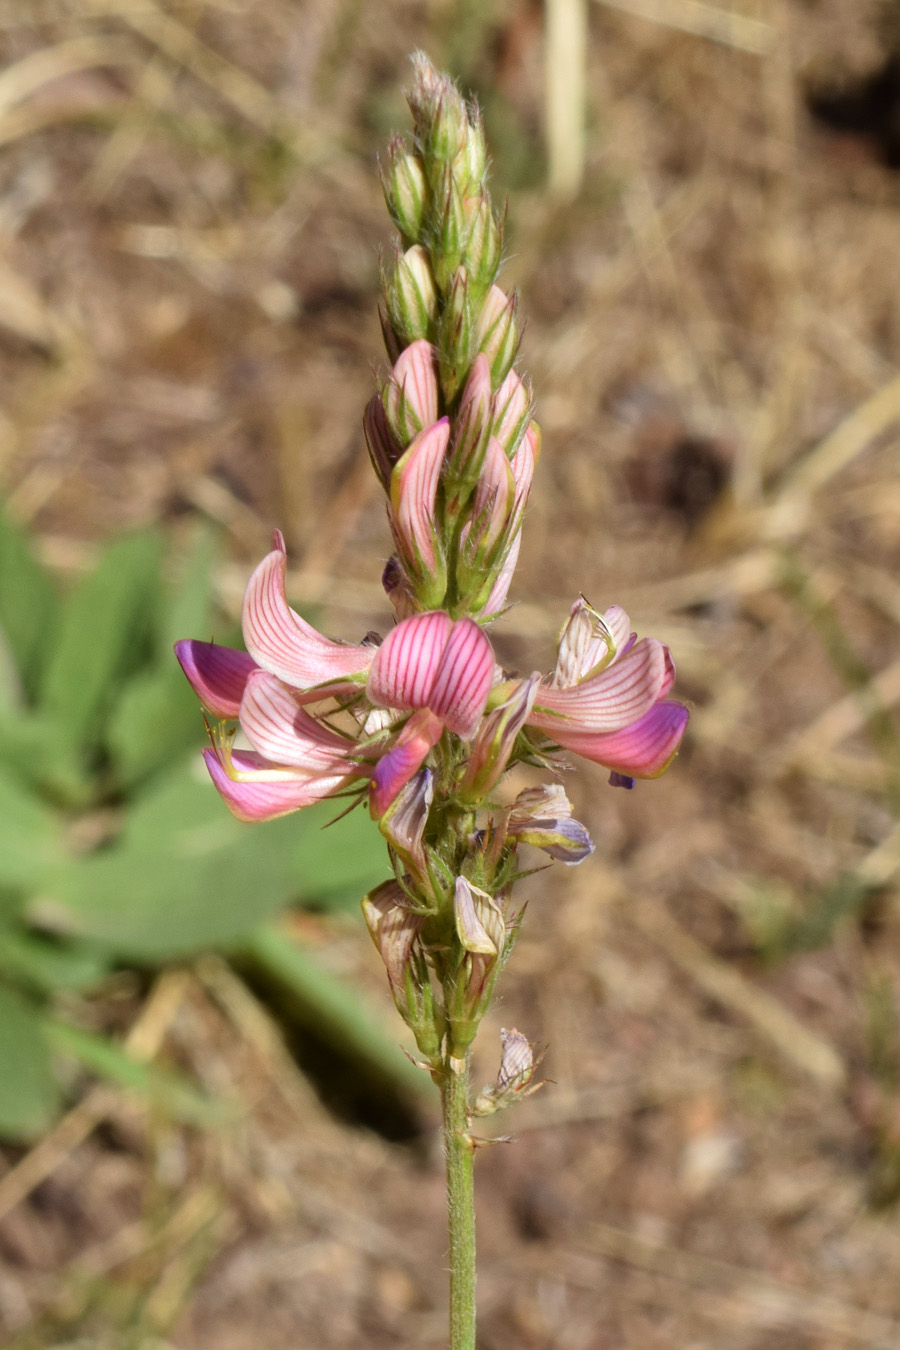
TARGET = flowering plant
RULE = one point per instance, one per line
(424, 725)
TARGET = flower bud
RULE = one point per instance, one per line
(395, 928)
(383, 448)
(411, 394)
(403, 823)
(449, 228)
(482, 932)
(474, 157)
(517, 1066)
(470, 429)
(414, 485)
(405, 189)
(496, 740)
(412, 297)
(455, 335)
(496, 333)
(542, 817)
(447, 131)
(510, 410)
(484, 247)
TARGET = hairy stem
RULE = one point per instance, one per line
(460, 1155)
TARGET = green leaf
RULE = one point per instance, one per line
(106, 626)
(186, 876)
(47, 965)
(29, 1096)
(156, 716)
(162, 1087)
(30, 837)
(38, 748)
(28, 604)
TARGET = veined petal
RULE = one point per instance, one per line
(252, 792)
(496, 740)
(510, 407)
(411, 396)
(609, 701)
(406, 756)
(464, 678)
(640, 750)
(523, 464)
(218, 675)
(493, 500)
(281, 731)
(589, 642)
(469, 916)
(496, 601)
(414, 484)
(392, 927)
(283, 643)
(406, 663)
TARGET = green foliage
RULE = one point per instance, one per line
(98, 741)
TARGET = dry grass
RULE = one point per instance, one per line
(190, 228)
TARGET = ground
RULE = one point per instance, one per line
(191, 227)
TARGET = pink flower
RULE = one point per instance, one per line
(607, 698)
(431, 674)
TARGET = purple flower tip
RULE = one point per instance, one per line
(620, 780)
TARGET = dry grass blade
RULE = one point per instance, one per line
(702, 20)
(565, 69)
(33, 72)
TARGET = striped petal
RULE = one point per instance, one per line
(411, 396)
(283, 643)
(218, 675)
(640, 750)
(406, 663)
(496, 601)
(414, 484)
(609, 701)
(253, 792)
(281, 731)
(464, 678)
(406, 756)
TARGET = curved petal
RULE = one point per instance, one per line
(609, 701)
(255, 793)
(496, 601)
(414, 484)
(640, 750)
(218, 675)
(283, 643)
(464, 678)
(589, 642)
(285, 733)
(411, 396)
(394, 770)
(405, 665)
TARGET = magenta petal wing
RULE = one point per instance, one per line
(394, 770)
(257, 794)
(218, 675)
(641, 750)
(608, 701)
(285, 733)
(464, 678)
(289, 647)
(406, 663)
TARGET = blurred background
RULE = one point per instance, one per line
(210, 1136)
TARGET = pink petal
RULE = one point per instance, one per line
(640, 750)
(413, 387)
(497, 599)
(394, 770)
(414, 484)
(608, 701)
(493, 499)
(258, 795)
(406, 663)
(464, 678)
(510, 409)
(285, 644)
(284, 732)
(217, 675)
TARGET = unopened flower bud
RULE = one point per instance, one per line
(411, 394)
(496, 333)
(517, 1066)
(472, 908)
(383, 448)
(412, 297)
(456, 335)
(484, 247)
(496, 740)
(475, 152)
(470, 428)
(510, 410)
(403, 824)
(449, 228)
(447, 130)
(542, 817)
(405, 189)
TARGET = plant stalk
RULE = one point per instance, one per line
(459, 1151)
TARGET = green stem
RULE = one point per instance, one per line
(460, 1155)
